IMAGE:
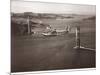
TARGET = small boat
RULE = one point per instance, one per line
(56, 32)
(49, 34)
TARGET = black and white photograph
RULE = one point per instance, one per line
(52, 36)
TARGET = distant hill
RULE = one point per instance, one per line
(91, 18)
(42, 15)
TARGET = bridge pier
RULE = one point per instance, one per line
(77, 37)
(29, 26)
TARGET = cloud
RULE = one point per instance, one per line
(43, 7)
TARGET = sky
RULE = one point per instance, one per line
(58, 8)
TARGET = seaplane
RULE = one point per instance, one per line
(55, 32)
